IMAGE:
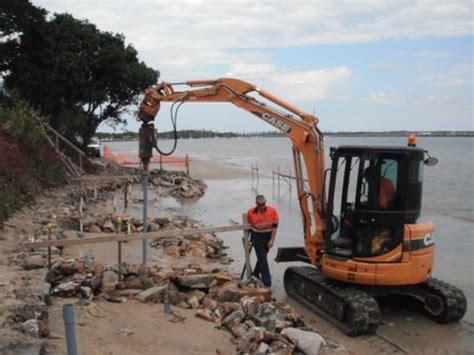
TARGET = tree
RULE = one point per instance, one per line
(77, 75)
(16, 18)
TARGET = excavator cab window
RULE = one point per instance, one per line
(378, 191)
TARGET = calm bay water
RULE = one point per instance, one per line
(448, 195)
(448, 187)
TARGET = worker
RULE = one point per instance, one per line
(387, 196)
(386, 193)
(264, 221)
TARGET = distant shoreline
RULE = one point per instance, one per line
(331, 134)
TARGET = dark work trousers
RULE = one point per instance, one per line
(259, 243)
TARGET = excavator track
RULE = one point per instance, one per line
(445, 303)
(350, 309)
(353, 308)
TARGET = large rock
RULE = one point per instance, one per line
(206, 314)
(197, 281)
(108, 226)
(25, 311)
(231, 292)
(308, 342)
(94, 228)
(250, 305)
(110, 280)
(41, 291)
(239, 329)
(153, 294)
(173, 250)
(35, 328)
(233, 319)
(132, 282)
(66, 289)
(33, 262)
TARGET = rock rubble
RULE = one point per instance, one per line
(242, 307)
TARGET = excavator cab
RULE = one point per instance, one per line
(373, 193)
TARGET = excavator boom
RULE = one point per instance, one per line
(299, 126)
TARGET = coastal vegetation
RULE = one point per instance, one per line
(74, 74)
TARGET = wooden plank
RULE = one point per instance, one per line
(104, 178)
(94, 238)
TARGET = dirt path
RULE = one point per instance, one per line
(137, 328)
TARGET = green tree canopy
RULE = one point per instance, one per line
(74, 73)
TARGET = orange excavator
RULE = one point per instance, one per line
(384, 251)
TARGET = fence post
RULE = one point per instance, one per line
(119, 245)
(273, 183)
(50, 226)
(161, 162)
(279, 175)
(145, 215)
(125, 195)
(187, 165)
(246, 243)
(69, 320)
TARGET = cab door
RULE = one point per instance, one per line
(379, 211)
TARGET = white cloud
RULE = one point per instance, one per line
(455, 76)
(300, 85)
(385, 97)
(185, 37)
(310, 84)
(188, 40)
(434, 55)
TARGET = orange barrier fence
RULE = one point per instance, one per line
(125, 159)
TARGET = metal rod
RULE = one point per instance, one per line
(161, 162)
(279, 182)
(120, 260)
(145, 213)
(187, 165)
(69, 320)
(81, 214)
(50, 226)
(125, 195)
(119, 245)
(273, 183)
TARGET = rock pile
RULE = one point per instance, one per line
(29, 314)
(244, 308)
(204, 245)
(177, 184)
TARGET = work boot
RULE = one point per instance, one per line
(342, 242)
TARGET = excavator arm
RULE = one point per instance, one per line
(299, 126)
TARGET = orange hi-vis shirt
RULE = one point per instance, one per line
(262, 221)
(387, 192)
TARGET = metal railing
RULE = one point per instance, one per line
(57, 139)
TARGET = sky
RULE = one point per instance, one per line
(364, 65)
